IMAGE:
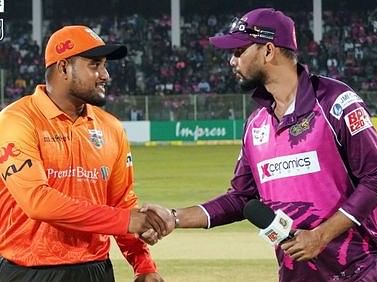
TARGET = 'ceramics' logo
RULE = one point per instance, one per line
(288, 166)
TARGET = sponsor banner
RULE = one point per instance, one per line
(287, 166)
(196, 130)
(137, 131)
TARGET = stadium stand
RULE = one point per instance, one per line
(347, 52)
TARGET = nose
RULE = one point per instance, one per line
(104, 74)
(233, 61)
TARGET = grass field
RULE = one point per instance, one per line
(179, 176)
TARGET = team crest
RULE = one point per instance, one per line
(96, 137)
(302, 126)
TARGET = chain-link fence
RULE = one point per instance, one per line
(195, 107)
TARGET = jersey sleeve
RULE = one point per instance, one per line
(228, 208)
(357, 142)
(23, 174)
(121, 195)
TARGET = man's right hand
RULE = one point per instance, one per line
(141, 222)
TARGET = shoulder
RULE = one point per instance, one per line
(17, 113)
(259, 112)
(17, 123)
(334, 96)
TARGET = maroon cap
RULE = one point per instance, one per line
(259, 26)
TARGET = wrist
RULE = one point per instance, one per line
(176, 219)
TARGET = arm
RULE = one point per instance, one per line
(23, 174)
(359, 154)
(224, 209)
(228, 207)
(121, 195)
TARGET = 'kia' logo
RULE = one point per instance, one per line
(63, 46)
(10, 150)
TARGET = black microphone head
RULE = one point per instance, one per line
(258, 213)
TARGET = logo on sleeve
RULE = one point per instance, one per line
(261, 134)
(96, 137)
(7, 151)
(357, 121)
(343, 101)
(13, 169)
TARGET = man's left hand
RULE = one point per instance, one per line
(149, 277)
(305, 245)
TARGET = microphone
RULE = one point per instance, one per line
(275, 227)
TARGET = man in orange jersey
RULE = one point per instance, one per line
(67, 174)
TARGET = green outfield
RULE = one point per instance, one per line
(178, 176)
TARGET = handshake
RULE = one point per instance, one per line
(152, 222)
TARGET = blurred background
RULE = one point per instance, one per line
(171, 72)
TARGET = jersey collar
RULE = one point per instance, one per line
(48, 108)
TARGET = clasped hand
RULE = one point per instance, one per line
(152, 222)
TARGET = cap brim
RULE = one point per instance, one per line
(110, 51)
(231, 41)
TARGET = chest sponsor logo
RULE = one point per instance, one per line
(96, 137)
(343, 101)
(302, 126)
(55, 138)
(13, 169)
(261, 135)
(105, 172)
(79, 172)
(357, 121)
(7, 151)
(287, 166)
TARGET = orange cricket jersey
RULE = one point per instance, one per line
(65, 186)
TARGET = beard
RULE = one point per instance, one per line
(92, 98)
(249, 84)
(88, 96)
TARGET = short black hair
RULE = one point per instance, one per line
(48, 73)
(50, 69)
(289, 54)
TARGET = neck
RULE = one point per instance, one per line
(71, 108)
(282, 84)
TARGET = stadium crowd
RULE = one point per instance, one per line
(348, 51)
